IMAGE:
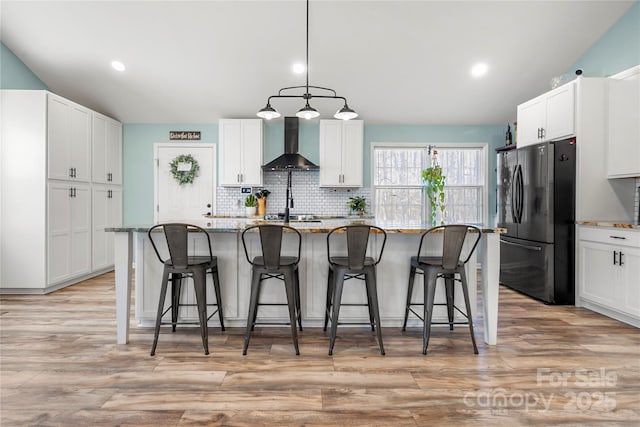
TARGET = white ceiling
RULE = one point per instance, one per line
(397, 62)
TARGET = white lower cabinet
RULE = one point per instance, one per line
(69, 231)
(106, 212)
(609, 272)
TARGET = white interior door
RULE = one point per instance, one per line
(187, 202)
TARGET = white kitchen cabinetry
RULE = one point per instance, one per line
(106, 212)
(69, 139)
(341, 144)
(46, 214)
(609, 272)
(548, 117)
(623, 143)
(240, 152)
(106, 150)
(68, 230)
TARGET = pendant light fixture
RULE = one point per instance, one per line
(307, 112)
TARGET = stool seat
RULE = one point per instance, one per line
(343, 261)
(284, 261)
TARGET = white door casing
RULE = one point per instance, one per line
(187, 202)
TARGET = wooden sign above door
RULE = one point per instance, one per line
(182, 135)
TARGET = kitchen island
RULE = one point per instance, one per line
(132, 245)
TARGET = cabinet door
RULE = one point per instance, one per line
(560, 113)
(69, 137)
(59, 138)
(80, 154)
(251, 170)
(80, 230)
(99, 148)
(530, 121)
(330, 153)
(114, 152)
(597, 273)
(623, 145)
(630, 279)
(58, 232)
(99, 218)
(352, 134)
(230, 138)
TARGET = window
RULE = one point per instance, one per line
(398, 193)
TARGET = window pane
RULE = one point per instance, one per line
(398, 206)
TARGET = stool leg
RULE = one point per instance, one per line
(216, 288)
(327, 309)
(412, 277)
(369, 304)
(289, 285)
(253, 307)
(430, 278)
(448, 286)
(465, 292)
(199, 284)
(338, 284)
(372, 288)
(163, 294)
(176, 290)
(297, 291)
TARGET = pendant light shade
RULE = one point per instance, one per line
(345, 113)
(307, 112)
(268, 113)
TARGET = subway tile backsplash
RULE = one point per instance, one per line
(308, 197)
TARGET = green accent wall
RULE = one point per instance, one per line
(617, 50)
(14, 74)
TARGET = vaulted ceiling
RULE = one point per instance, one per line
(397, 62)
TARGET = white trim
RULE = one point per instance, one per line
(632, 73)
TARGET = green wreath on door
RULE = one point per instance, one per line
(179, 169)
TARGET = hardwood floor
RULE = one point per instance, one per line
(553, 365)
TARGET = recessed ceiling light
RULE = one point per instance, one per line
(298, 68)
(118, 66)
(479, 69)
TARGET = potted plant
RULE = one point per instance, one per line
(250, 205)
(357, 205)
(434, 186)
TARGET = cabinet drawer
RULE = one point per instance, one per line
(610, 235)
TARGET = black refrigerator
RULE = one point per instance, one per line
(536, 204)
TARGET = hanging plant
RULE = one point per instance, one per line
(434, 186)
(184, 169)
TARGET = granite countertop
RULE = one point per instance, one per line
(233, 225)
(610, 223)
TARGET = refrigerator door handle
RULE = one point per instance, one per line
(514, 197)
(520, 245)
(519, 194)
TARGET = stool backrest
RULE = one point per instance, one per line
(271, 236)
(453, 239)
(176, 236)
(357, 236)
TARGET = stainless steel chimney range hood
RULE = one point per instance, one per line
(291, 159)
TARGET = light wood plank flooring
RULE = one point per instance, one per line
(60, 366)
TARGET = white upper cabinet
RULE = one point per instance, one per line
(341, 145)
(106, 150)
(623, 148)
(240, 152)
(69, 140)
(548, 117)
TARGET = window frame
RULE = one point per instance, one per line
(483, 146)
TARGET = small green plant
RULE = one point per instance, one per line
(250, 201)
(434, 186)
(357, 204)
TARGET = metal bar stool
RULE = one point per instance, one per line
(271, 264)
(181, 265)
(446, 264)
(355, 265)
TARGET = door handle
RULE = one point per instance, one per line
(533, 248)
(615, 253)
(620, 258)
